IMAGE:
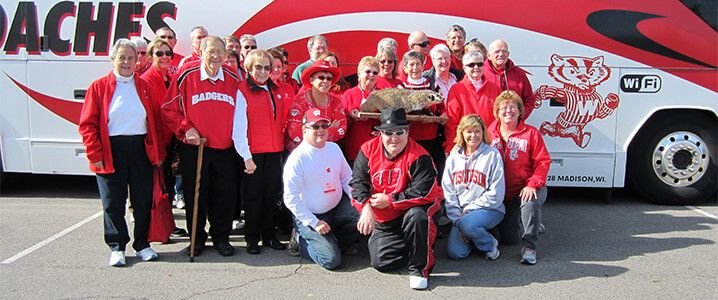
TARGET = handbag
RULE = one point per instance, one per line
(162, 221)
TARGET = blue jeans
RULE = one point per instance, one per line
(474, 227)
(325, 250)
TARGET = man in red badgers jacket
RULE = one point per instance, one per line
(396, 191)
(202, 103)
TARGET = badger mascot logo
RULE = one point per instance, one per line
(580, 76)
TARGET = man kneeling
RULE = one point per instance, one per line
(316, 185)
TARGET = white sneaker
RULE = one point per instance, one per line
(117, 258)
(179, 201)
(147, 254)
(418, 282)
(494, 253)
(237, 225)
(528, 256)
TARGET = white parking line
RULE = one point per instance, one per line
(702, 212)
(50, 239)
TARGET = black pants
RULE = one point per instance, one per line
(131, 167)
(217, 194)
(238, 203)
(408, 239)
(259, 193)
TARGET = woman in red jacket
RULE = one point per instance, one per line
(526, 165)
(388, 68)
(320, 77)
(117, 125)
(266, 121)
(360, 129)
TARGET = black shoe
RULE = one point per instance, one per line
(197, 249)
(274, 244)
(178, 232)
(224, 248)
(293, 244)
(253, 248)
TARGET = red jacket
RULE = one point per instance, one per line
(464, 99)
(526, 159)
(174, 64)
(383, 83)
(358, 131)
(266, 115)
(206, 105)
(511, 78)
(409, 179)
(334, 112)
(94, 119)
(157, 91)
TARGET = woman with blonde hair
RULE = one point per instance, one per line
(473, 184)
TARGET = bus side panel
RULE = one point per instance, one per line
(56, 143)
(14, 123)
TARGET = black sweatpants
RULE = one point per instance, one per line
(217, 194)
(259, 194)
(133, 168)
(408, 239)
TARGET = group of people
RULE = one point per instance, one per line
(272, 138)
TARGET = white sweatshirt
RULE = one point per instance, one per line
(314, 179)
(473, 182)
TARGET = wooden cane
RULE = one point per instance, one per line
(195, 209)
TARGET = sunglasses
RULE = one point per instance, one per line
(247, 47)
(322, 78)
(261, 67)
(164, 53)
(475, 64)
(142, 52)
(386, 61)
(423, 44)
(317, 126)
(370, 72)
(169, 37)
(394, 132)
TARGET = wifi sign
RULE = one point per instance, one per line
(640, 83)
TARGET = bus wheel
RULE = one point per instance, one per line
(674, 160)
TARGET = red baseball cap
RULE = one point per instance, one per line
(314, 115)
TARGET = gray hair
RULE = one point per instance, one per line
(139, 42)
(200, 27)
(495, 44)
(411, 55)
(247, 37)
(456, 28)
(387, 42)
(438, 50)
(315, 38)
(121, 43)
(472, 54)
(203, 44)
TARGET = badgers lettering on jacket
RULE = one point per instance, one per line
(212, 96)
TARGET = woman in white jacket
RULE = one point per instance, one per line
(473, 184)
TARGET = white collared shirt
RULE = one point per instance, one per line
(204, 75)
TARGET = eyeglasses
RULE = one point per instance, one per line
(394, 132)
(164, 53)
(169, 37)
(247, 47)
(322, 78)
(317, 126)
(261, 67)
(474, 64)
(386, 61)
(512, 107)
(423, 44)
(474, 40)
(370, 72)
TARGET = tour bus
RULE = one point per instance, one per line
(626, 90)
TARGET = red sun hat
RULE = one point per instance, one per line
(320, 66)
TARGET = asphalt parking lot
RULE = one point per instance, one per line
(51, 247)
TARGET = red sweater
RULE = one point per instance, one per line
(511, 78)
(423, 131)
(206, 105)
(383, 83)
(526, 159)
(157, 91)
(464, 99)
(358, 131)
(266, 115)
(334, 112)
(409, 179)
(94, 128)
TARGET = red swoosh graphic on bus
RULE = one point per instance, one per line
(689, 35)
(66, 109)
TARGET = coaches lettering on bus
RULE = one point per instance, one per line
(502, 71)
(201, 103)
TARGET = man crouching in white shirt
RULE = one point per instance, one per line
(316, 188)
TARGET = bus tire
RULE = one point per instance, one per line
(673, 161)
